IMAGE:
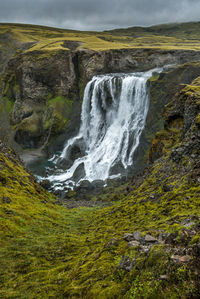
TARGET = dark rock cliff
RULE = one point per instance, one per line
(162, 89)
(41, 94)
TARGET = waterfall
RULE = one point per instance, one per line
(113, 117)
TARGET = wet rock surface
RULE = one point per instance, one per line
(126, 263)
(46, 184)
(33, 82)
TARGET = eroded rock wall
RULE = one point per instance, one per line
(41, 92)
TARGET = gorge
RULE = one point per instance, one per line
(111, 119)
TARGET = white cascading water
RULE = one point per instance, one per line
(113, 117)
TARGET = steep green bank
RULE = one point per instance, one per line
(146, 245)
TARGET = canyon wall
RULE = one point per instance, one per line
(41, 93)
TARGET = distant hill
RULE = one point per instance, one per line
(189, 30)
(166, 36)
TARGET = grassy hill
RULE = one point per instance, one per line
(172, 36)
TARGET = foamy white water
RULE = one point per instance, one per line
(113, 117)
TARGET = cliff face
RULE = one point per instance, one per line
(130, 60)
(42, 91)
(162, 88)
(39, 93)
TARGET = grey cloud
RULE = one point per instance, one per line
(98, 14)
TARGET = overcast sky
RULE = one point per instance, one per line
(98, 14)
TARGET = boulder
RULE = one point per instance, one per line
(151, 239)
(80, 173)
(181, 259)
(128, 237)
(137, 236)
(133, 244)
(145, 249)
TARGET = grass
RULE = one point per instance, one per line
(52, 39)
(48, 251)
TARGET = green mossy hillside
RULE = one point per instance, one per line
(50, 40)
(49, 251)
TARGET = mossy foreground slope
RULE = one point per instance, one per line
(146, 245)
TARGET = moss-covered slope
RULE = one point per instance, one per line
(49, 251)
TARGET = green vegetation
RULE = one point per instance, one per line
(61, 108)
(193, 89)
(49, 251)
(178, 36)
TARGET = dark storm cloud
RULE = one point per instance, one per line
(98, 14)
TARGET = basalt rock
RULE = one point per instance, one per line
(43, 93)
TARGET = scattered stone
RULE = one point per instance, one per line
(188, 222)
(46, 184)
(126, 263)
(6, 199)
(80, 173)
(171, 238)
(111, 243)
(128, 237)
(137, 236)
(58, 193)
(145, 249)
(185, 259)
(175, 258)
(149, 238)
(162, 237)
(133, 244)
(9, 212)
(164, 277)
(181, 259)
(70, 194)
